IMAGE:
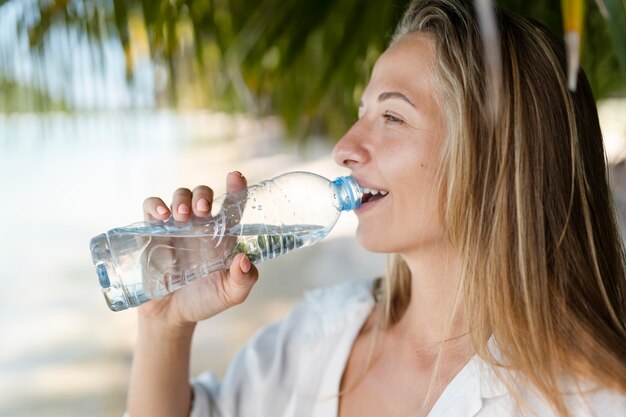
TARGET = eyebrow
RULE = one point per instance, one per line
(387, 95)
(394, 94)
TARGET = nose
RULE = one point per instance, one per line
(349, 152)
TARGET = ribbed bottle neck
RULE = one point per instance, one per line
(348, 192)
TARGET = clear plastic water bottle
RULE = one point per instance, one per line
(147, 260)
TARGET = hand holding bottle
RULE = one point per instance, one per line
(203, 298)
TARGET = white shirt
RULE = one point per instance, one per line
(293, 368)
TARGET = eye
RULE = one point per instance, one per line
(392, 118)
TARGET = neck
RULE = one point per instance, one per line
(435, 313)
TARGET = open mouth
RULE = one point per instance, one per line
(371, 195)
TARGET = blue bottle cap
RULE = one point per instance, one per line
(349, 193)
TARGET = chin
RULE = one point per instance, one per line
(379, 242)
(373, 242)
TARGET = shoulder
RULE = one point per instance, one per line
(338, 299)
(321, 317)
(289, 357)
(582, 399)
(585, 401)
(322, 312)
(598, 403)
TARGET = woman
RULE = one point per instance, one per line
(507, 290)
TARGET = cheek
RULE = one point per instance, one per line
(409, 169)
(411, 172)
(411, 216)
(417, 204)
(420, 202)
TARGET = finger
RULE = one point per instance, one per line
(242, 277)
(202, 200)
(235, 181)
(155, 209)
(181, 204)
(236, 190)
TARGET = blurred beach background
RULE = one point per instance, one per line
(98, 111)
(65, 179)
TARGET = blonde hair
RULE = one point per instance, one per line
(525, 200)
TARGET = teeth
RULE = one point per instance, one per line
(374, 192)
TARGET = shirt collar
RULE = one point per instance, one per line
(491, 381)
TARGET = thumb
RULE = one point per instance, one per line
(241, 278)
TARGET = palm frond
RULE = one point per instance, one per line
(306, 61)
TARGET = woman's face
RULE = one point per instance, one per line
(394, 147)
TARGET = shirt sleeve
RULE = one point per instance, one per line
(261, 376)
(278, 371)
(205, 389)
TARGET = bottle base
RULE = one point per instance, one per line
(117, 295)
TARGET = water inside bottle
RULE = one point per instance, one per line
(261, 242)
(170, 258)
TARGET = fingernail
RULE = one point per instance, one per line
(238, 173)
(162, 210)
(245, 265)
(202, 205)
(183, 209)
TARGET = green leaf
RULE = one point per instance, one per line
(616, 21)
